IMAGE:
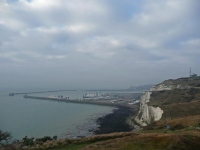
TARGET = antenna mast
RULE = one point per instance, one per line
(190, 71)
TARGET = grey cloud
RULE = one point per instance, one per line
(100, 44)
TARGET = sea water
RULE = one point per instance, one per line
(37, 118)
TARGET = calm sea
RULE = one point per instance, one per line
(37, 118)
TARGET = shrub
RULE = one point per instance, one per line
(44, 139)
(177, 127)
(5, 138)
(28, 141)
(54, 137)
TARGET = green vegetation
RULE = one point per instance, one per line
(177, 103)
(5, 138)
(159, 98)
(28, 141)
(142, 141)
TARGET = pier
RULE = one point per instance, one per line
(80, 101)
(13, 94)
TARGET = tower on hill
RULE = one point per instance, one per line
(192, 75)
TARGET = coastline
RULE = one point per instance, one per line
(116, 121)
(119, 120)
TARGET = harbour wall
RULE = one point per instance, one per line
(79, 101)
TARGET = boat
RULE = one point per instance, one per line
(90, 95)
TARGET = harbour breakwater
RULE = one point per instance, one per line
(13, 94)
(80, 101)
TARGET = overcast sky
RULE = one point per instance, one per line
(60, 44)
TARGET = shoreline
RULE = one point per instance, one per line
(116, 121)
(111, 122)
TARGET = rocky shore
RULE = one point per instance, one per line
(116, 121)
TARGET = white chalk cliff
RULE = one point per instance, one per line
(147, 114)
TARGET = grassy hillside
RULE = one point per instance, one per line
(174, 96)
(178, 103)
(143, 140)
(189, 122)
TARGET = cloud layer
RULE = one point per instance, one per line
(97, 43)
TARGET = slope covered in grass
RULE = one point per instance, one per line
(141, 141)
(177, 103)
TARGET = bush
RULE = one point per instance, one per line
(28, 141)
(5, 138)
(31, 141)
(44, 139)
(177, 127)
(54, 137)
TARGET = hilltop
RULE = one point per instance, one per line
(180, 83)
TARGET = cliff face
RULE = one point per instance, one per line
(147, 114)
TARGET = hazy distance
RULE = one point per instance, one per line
(63, 44)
